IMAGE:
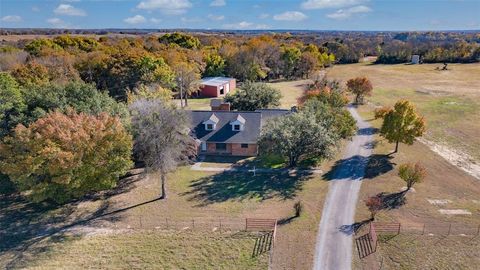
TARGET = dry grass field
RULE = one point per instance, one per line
(449, 100)
(446, 187)
(132, 220)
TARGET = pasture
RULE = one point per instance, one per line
(449, 100)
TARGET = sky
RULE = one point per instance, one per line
(399, 15)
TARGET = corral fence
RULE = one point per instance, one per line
(367, 243)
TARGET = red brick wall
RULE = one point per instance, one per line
(237, 150)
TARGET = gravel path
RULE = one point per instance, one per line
(334, 239)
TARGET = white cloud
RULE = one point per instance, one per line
(264, 16)
(35, 9)
(190, 20)
(216, 18)
(12, 18)
(170, 7)
(218, 3)
(69, 10)
(290, 16)
(135, 19)
(58, 23)
(155, 20)
(245, 25)
(318, 4)
(342, 14)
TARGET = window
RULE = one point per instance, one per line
(236, 127)
(209, 126)
(222, 91)
(221, 146)
(244, 145)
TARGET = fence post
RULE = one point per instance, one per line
(449, 229)
(166, 221)
(193, 224)
(478, 231)
(423, 231)
(140, 221)
(220, 221)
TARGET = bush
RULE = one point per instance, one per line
(298, 207)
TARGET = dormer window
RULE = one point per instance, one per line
(211, 122)
(238, 124)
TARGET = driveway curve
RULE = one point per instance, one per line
(334, 238)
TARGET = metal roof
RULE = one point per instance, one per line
(215, 81)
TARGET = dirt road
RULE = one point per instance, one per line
(334, 239)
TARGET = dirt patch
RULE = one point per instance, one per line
(454, 212)
(439, 202)
(455, 157)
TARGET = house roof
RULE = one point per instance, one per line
(215, 81)
(223, 132)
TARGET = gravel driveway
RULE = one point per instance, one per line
(334, 246)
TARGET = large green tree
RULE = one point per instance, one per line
(12, 104)
(79, 96)
(252, 96)
(64, 156)
(402, 124)
(296, 137)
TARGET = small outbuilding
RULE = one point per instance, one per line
(216, 86)
(415, 59)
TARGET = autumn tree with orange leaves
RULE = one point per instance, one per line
(360, 87)
(64, 156)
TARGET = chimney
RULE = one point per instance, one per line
(219, 105)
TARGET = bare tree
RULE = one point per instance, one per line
(161, 133)
(187, 78)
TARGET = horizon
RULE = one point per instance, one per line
(228, 15)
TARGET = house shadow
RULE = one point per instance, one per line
(359, 167)
(225, 186)
(24, 224)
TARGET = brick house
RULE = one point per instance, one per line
(230, 132)
(216, 86)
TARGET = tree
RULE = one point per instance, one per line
(181, 39)
(150, 92)
(31, 73)
(65, 156)
(360, 87)
(79, 96)
(252, 96)
(215, 66)
(402, 124)
(12, 104)
(374, 205)
(296, 137)
(161, 137)
(412, 173)
(187, 79)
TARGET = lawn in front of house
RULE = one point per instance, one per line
(192, 195)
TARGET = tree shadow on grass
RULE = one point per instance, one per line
(358, 167)
(227, 186)
(24, 224)
(392, 200)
